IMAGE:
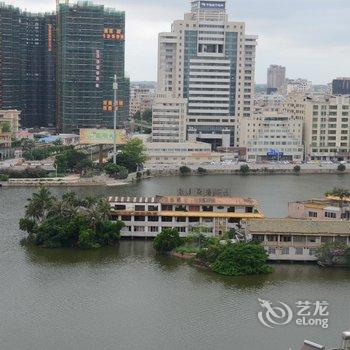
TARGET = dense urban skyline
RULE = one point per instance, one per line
(298, 35)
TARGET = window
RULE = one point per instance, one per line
(139, 218)
(285, 251)
(193, 220)
(312, 252)
(330, 215)
(153, 229)
(272, 251)
(139, 207)
(167, 219)
(312, 214)
(120, 207)
(153, 218)
(152, 208)
(299, 251)
(126, 218)
(207, 208)
(167, 207)
(299, 239)
(272, 238)
(180, 219)
(286, 238)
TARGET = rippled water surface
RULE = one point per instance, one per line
(127, 298)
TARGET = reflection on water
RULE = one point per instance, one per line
(128, 298)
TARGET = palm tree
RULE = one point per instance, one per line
(341, 194)
(104, 209)
(40, 205)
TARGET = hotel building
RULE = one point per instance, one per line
(210, 62)
(147, 216)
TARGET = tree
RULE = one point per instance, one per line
(297, 169)
(202, 171)
(147, 115)
(341, 167)
(71, 160)
(135, 150)
(332, 253)
(185, 171)
(244, 170)
(27, 144)
(40, 205)
(69, 222)
(167, 240)
(6, 127)
(341, 194)
(126, 162)
(116, 171)
(242, 259)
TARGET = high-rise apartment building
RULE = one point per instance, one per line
(209, 61)
(341, 86)
(327, 127)
(90, 51)
(27, 70)
(58, 69)
(276, 76)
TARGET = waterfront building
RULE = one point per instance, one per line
(209, 61)
(180, 153)
(296, 240)
(271, 136)
(90, 51)
(341, 86)
(276, 76)
(147, 216)
(9, 124)
(320, 209)
(327, 127)
(27, 65)
(141, 99)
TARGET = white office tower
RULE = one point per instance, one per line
(210, 62)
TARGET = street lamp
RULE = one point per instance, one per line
(115, 88)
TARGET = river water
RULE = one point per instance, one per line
(127, 298)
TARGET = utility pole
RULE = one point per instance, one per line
(115, 88)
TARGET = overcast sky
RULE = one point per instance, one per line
(310, 37)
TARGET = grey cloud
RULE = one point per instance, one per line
(309, 36)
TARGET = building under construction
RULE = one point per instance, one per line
(59, 68)
(27, 65)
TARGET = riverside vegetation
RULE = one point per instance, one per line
(53, 222)
(220, 255)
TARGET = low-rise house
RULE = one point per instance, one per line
(296, 240)
(320, 209)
